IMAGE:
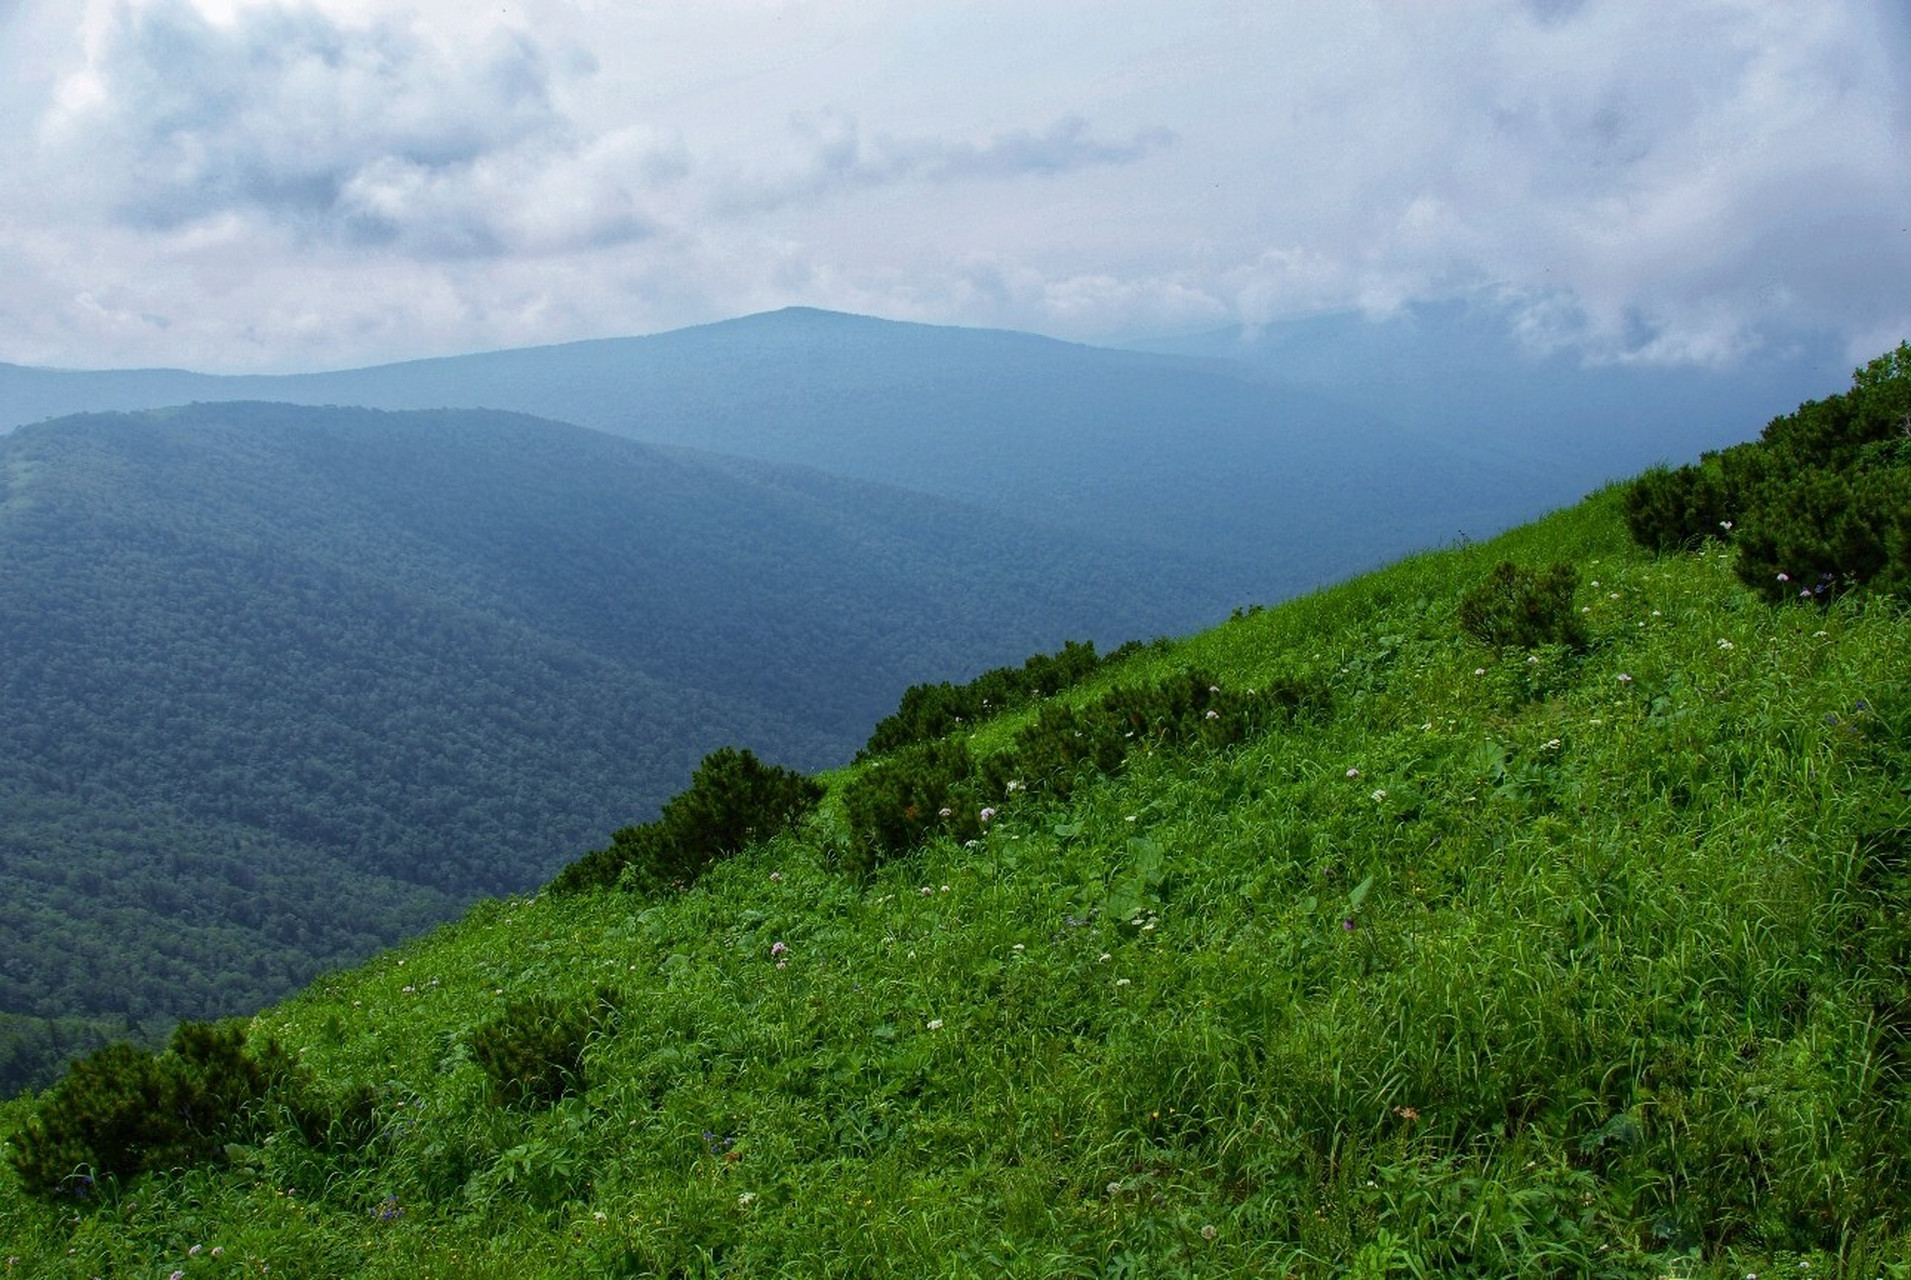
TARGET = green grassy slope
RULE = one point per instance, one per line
(1531, 964)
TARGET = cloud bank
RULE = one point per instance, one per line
(290, 184)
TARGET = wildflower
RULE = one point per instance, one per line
(1532, 660)
(1020, 947)
(988, 815)
(776, 877)
(1727, 526)
(1551, 744)
(1624, 678)
(1479, 671)
(927, 891)
(1213, 714)
(747, 1199)
(178, 1275)
(1014, 784)
(1103, 958)
(218, 1251)
(1214, 688)
(1347, 925)
(935, 1024)
(1380, 794)
(1784, 577)
(779, 948)
(1353, 773)
(195, 1251)
(1612, 595)
(1209, 1232)
(945, 813)
(945, 888)
(1726, 644)
(1121, 982)
(1406, 1113)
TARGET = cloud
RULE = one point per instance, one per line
(381, 135)
(836, 155)
(278, 183)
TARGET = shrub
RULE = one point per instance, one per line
(930, 711)
(1819, 505)
(1820, 535)
(1667, 510)
(733, 799)
(1518, 608)
(896, 804)
(123, 1111)
(533, 1053)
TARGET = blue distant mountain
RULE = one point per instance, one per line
(1282, 460)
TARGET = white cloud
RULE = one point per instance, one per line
(279, 184)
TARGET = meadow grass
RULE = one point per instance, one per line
(1514, 963)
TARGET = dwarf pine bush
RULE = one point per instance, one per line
(733, 799)
(124, 1110)
(1819, 505)
(533, 1053)
(1523, 609)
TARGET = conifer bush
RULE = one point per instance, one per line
(733, 800)
(898, 803)
(123, 1110)
(1668, 509)
(929, 711)
(1515, 608)
(533, 1053)
(1819, 505)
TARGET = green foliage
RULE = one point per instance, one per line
(1515, 608)
(896, 803)
(533, 1053)
(932, 710)
(122, 1111)
(1818, 506)
(1671, 509)
(733, 799)
(939, 788)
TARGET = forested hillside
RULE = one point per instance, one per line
(279, 686)
(1272, 486)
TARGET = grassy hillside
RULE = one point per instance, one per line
(1548, 962)
(280, 686)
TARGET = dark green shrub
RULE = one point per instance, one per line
(1667, 510)
(533, 1053)
(1819, 505)
(930, 711)
(733, 799)
(897, 803)
(1518, 608)
(1820, 535)
(123, 1111)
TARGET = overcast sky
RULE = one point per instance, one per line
(274, 185)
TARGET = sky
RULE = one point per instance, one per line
(271, 185)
